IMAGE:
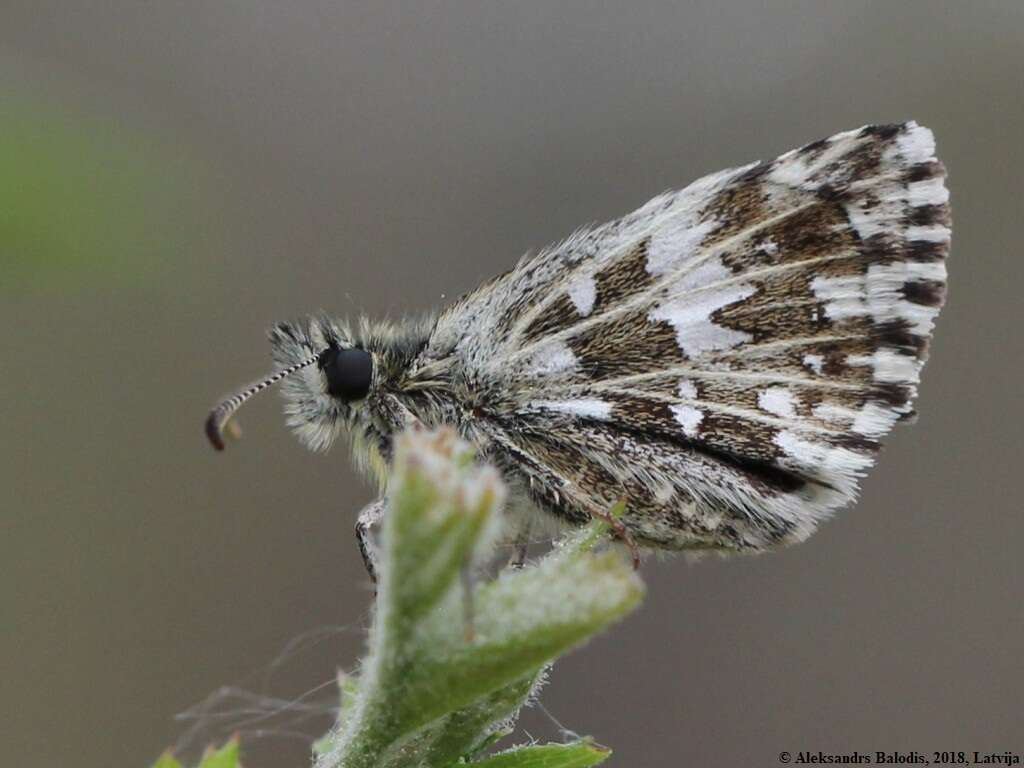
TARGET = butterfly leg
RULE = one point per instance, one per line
(621, 532)
(372, 514)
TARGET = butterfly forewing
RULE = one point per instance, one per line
(727, 357)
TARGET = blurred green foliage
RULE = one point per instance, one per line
(225, 757)
(83, 200)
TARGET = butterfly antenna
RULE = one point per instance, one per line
(220, 415)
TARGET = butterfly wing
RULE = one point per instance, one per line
(727, 357)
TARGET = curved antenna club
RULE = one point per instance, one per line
(220, 415)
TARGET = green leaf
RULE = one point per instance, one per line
(522, 622)
(580, 754)
(225, 757)
(469, 730)
(167, 760)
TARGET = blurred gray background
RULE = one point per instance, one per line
(176, 176)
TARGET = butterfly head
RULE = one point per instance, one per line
(326, 376)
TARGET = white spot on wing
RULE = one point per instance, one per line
(815, 362)
(778, 400)
(671, 247)
(690, 310)
(689, 418)
(583, 293)
(588, 407)
(552, 357)
(687, 389)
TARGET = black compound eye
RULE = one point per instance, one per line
(348, 372)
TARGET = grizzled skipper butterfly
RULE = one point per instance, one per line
(725, 359)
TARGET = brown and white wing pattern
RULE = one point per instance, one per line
(727, 357)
